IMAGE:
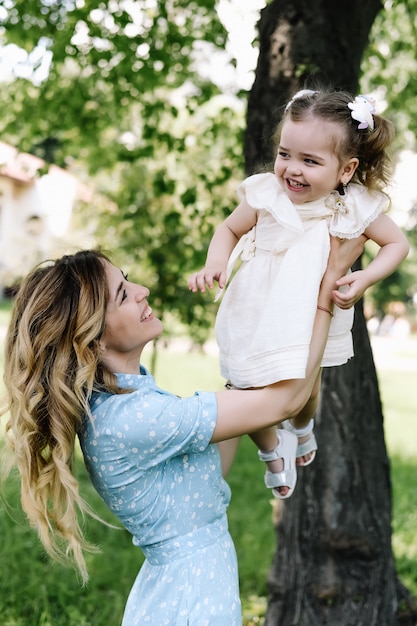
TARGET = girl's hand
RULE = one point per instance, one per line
(357, 285)
(206, 277)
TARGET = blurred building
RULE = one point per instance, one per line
(36, 207)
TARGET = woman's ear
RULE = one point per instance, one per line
(349, 169)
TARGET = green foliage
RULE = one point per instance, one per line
(105, 61)
(390, 63)
(126, 99)
(389, 69)
(168, 208)
(399, 287)
(127, 103)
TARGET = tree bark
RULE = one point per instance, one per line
(334, 563)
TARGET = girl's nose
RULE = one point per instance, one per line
(293, 167)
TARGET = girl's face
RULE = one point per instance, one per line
(306, 165)
(129, 323)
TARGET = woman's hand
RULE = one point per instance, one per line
(343, 254)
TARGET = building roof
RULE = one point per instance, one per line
(19, 166)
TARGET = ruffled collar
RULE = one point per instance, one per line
(348, 215)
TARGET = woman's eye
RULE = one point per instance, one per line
(124, 295)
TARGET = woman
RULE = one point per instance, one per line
(73, 355)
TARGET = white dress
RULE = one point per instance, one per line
(265, 319)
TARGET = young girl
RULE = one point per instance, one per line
(329, 172)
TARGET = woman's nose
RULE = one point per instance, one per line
(142, 292)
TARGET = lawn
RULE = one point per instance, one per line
(34, 592)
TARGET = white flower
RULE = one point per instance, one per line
(335, 203)
(362, 110)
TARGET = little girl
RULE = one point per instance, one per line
(329, 172)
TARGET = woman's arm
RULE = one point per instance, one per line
(223, 241)
(394, 248)
(241, 412)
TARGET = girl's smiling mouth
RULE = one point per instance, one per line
(294, 184)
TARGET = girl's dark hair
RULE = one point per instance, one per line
(369, 146)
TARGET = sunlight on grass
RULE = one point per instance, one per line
(396, 363)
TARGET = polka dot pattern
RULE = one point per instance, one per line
(149, 457)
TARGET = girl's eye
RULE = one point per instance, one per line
(283, 154)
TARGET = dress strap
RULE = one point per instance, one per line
(245, 248)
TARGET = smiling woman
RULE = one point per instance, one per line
(73, 368)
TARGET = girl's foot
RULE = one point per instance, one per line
(307, 444)
(281, 475)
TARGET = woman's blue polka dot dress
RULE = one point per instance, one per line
(149, 457)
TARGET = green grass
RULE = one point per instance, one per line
(399, 400)
(35, 592)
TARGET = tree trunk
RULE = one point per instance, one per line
(334, 563)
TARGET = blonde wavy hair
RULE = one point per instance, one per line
(52, 366)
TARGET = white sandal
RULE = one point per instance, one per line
(285, 450)
(309, 446)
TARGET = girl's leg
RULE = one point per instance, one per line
(277, 448)
(302, 426)
(303, 418)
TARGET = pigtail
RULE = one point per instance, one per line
(374, 170)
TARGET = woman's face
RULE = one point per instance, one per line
(129, 323)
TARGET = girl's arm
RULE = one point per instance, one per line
(246, 411)
(394, 248)
(223, 241)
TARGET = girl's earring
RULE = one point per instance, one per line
(342, 188)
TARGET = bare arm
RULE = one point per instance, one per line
(223, 241)
(394, 248)
(247, 411)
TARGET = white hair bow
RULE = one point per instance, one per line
(362, 110)
(300, 94)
